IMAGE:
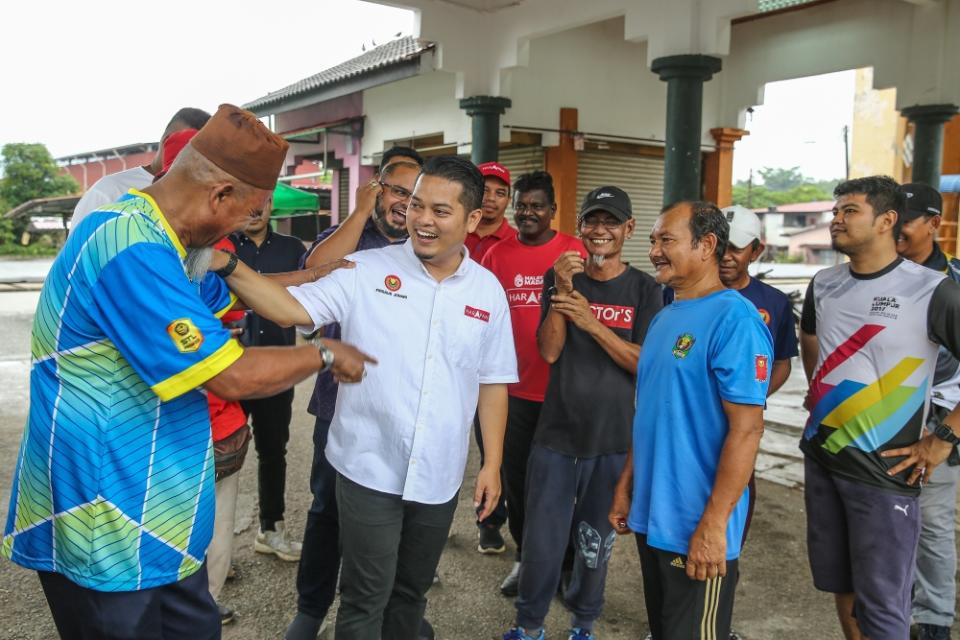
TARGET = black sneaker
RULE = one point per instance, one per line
(226, 614)
(933, 632)
(490, 540)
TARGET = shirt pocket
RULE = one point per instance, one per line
(464, 341)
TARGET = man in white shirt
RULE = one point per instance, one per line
(439, 325)
(108, 189)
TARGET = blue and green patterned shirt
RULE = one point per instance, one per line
(114, 481)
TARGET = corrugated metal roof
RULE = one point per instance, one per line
(399, 50)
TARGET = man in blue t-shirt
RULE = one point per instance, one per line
(702, 382)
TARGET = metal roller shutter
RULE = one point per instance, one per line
(521, 160)
(642, 178)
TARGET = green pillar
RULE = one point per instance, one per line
(485, 112)
(928, 121)
(684, 75)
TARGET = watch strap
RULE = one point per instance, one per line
(230, 267)
(945, 433)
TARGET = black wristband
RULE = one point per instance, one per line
(230, 266)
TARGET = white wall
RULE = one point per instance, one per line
(417, 106)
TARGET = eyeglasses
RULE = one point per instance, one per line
(397, 191)
(536, 208)
(607, 223)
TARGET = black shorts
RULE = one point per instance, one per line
(679, 608)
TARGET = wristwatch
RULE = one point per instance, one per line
(225, 271)
(326, 354)
(945, 433)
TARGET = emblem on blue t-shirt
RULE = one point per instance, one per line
(185, 335)
(765, 316)
(762, 367)
(683, 345)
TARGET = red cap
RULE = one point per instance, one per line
(172, 147)
(496, 170)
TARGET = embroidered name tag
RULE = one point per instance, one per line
(479, 314)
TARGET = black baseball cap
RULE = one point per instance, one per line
(922, 200)
(613, 200)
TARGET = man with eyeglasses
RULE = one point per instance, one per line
(378, 220)
(594, 317)
(519, 263)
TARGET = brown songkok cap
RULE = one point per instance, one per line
(237, 142)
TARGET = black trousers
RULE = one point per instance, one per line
(499, 515)
(320, 558)
(184, 609)
(679, 608)
(270, 418)
(521, 425)
(391, 548)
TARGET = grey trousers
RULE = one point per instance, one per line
(391, 548)
(934, 585)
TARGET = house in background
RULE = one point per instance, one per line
(782, 222)
(89, 166)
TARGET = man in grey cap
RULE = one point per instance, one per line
(934, 583)
(594, 316)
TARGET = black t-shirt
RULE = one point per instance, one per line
(277, 254)
(588, 408)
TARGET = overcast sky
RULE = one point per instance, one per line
(80, 76)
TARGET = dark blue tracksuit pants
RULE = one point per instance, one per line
(565, 493)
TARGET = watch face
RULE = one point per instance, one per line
(946, 433)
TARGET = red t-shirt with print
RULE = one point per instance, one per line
(520, 268)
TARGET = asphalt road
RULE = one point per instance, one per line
(775, 600)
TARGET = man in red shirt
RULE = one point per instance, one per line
(493, 227)
(519, 263)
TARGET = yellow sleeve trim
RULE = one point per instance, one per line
(223, 312)
(194, 376)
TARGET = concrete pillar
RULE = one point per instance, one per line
(684, 75)
(928, 121)
(718, 166)
(561, 164)
(485, 112)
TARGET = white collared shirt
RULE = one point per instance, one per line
(405, 429)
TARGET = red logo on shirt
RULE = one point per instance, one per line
(479, 314)
(764, 315)
(613, 316)
(761, 366)
(392, 283)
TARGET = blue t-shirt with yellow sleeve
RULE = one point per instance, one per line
(697, 354)
(113, 485)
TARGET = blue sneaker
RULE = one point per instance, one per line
(519, 633)
(580, 634)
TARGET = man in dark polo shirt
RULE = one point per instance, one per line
(378, 220)
(266, 251)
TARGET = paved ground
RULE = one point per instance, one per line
(775, 598)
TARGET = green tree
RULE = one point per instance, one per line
(782, 179)
(29, 172)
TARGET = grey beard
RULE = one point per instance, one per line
(197, 263)
(597, 260)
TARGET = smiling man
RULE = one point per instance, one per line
(701, 386)
(378, 220)
(869, 338)
(593, 319)
(113, 499)
(519, 263)
(439, 325)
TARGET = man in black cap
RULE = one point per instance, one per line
(594, 316)
(934, 584)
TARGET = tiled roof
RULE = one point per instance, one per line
(396, 51)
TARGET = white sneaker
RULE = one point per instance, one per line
(276, 542)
